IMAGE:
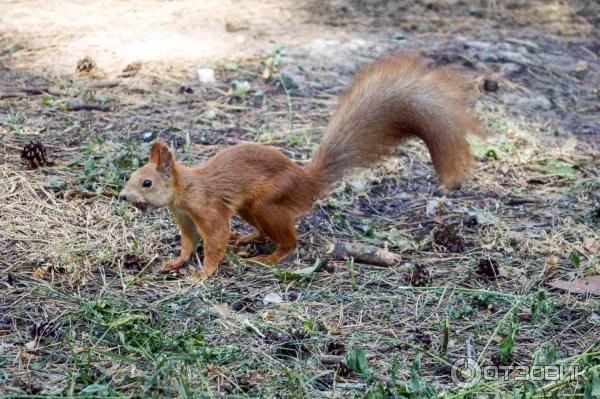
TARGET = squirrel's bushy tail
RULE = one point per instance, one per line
(393, 99)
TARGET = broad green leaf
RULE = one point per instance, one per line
(300, 273)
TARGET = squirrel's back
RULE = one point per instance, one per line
(391, 100)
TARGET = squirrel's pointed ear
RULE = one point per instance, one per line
(165, 161)
(155, 151)
(162, 157)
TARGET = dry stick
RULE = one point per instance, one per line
(362, 253)
(89, 107)
(104, 84)
(28, 91)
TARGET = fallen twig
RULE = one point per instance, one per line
(28, 91)
(89, 107)
(363, 253)
(513, 201)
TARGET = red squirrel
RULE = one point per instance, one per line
(395, 98)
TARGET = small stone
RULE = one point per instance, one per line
(581, 66)
(481, 218)
(206, 75)
(289, 80)
(512, 56)
(490, 85)
(512, 69)
(210, 114)
(432, 207)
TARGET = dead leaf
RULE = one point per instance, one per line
(40, 272)
(587, 285)
(591, 245)
(270, 316)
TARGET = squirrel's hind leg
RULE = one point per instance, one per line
(277, 223)
(237, 239)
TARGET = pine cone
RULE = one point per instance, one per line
(34, 154)
(86, 65)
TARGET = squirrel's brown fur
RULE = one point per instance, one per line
(391, 100)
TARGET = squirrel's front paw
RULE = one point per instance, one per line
(172, 265)
(203, 274)
(199, 276)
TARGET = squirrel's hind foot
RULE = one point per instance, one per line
(173, 265)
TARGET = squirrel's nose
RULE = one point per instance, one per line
(123, 197)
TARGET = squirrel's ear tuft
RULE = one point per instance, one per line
(155, 151)
(165, 161)
(162, 157)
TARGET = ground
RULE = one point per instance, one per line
(84, 314)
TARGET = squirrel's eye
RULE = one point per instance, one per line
(147, 183)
